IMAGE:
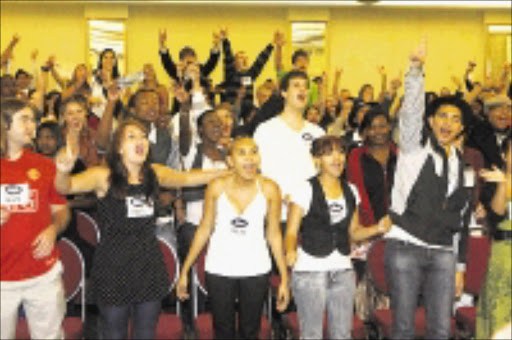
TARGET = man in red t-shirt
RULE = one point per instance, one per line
(32, 214)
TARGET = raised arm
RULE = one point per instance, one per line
(165, 58)
(336, 82)
(91, 180)
(258, 64)
(56, 76)
(413, 107)
(183, 97)
(170, 178)
(383, 81)
(104, 130)
(275, 240)
(278, 55)
(229, 58)
(7, 53)
(213, 59)
(201, 236)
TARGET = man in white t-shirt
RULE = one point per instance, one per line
(285, 140)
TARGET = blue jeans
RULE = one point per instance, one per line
(314, 291)
(114, 320)
(413, 270)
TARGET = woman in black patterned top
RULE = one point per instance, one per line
(128, 270)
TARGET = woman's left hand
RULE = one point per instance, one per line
(283, 297)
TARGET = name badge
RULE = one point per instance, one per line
(15, 194)
(239, 226)
(138, 207)
(337, 212)
(246, 81)
(469, 178)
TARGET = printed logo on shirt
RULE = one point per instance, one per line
(15, 194)
(20, 199)
(33, 174)
(337, 212)
(307, 136)
(239, 226)
(138, 207)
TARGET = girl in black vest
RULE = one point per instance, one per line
(324, 209)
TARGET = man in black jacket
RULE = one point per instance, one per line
(237, 73)
(430, 204)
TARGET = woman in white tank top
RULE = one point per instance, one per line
(241, 215)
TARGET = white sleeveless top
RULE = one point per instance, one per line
(238, 247)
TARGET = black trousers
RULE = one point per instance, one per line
(223, 292)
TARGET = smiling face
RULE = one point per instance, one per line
(500, 117)
(211, 129)
(134, 145)
(75, 116)
(331, 162)
(244, 158)
(296, 95)
(446, 124)
(378, 132)
(22, 128)
(241, 61)
(147, 106)
(108, 60)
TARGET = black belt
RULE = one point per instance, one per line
(502, 235)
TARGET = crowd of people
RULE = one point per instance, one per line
(287, 179)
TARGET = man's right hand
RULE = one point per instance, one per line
(419, 55)
(162, 38)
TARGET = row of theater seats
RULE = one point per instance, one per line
(170, 327)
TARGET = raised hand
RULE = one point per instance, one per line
(338, 72)
(162, 38)
(419, 55)
(223, 33)
(34, 54)
(15, 39)
(66, 158)
(471, 66)
(382, 70)
(279, 38)
(51, 61)
(216, 40)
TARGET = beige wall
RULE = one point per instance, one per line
(359, 39)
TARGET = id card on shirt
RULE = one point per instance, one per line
(15, 194)
(246, 81)
(239, 226)
(138, 207)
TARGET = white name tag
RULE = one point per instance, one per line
(138, 207)
(246, 81)
(15, 194)
(469, 178)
